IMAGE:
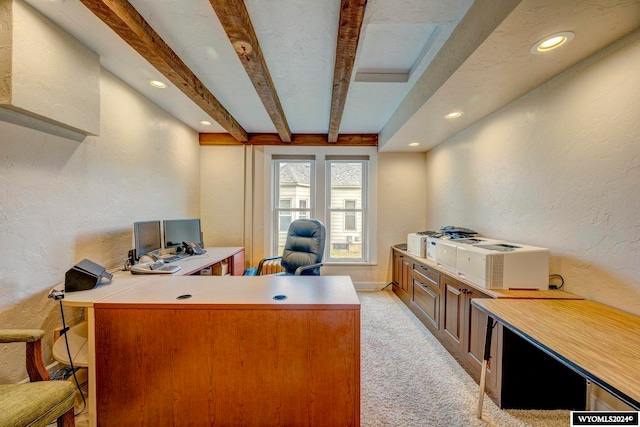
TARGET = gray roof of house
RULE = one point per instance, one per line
(343, 173)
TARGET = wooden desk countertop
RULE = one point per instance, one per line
(598, 341)
(123, 280)
(251, 292)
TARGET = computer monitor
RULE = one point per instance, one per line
(147, 237)
(177, 231)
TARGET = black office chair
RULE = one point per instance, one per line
(303, 249)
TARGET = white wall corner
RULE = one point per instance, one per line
(49, 81)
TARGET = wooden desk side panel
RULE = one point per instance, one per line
(228, 367)
(238, 263)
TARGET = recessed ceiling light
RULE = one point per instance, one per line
(453, 115)
(552, 42)
(157, 84)
(205, 123)
(414, 144)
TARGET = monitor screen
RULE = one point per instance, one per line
(147, 237)
(177, 231)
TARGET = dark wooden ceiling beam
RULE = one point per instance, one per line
(362, 140)
(235, 20)
(125, 20)
(351, 16)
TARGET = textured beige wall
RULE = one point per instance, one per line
(62, 201)
(558, 168)
(400, 193)
(222, 183)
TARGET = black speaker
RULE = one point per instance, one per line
(84, 275)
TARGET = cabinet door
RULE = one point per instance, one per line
(453, 311)
(406, 275)
(476, 330)
(401, 273)
(397, 271)
(427, 298)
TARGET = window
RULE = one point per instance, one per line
(293, 189)
(346, 214)
(302, 204)
(308, 182)
(349, 216)
(285, 215)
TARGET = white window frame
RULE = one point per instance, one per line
(363, 208)
(275, 205)
(318, 201)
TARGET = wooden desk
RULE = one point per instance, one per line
(230, 354)
(124, 280)
(596, 341)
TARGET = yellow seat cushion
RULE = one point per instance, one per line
(35, 404)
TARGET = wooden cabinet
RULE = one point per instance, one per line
(402, 275)
(465, 326)
(443, 304)
(453, 311)
(475, 332)
(426, 292)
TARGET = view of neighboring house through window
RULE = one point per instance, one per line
(303, 205)
(349, 216)
(285, 214)
(341, 202)
(346, 212)
(294, 189)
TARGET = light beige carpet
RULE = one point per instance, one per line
(409, 379)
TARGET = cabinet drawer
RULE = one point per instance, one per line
(426, 273)
(427, 299)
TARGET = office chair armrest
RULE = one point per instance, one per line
(299, 270)
(35, 364)
(262, 261)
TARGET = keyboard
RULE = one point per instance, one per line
(172, 258)
(158, 267)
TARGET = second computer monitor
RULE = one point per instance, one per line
(147, 237)
(177, 231)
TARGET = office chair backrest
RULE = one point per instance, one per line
(304, 246)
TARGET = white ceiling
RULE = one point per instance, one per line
(399, 39)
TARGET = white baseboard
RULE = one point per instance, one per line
(369, 286)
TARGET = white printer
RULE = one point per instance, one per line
(417, 243)
(446, 250)
(503, 265)
(431, 248)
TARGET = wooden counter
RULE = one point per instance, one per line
(598, 342)
(494, 293)
(230, 354)
(443, 303)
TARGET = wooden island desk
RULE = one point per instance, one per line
(196, 351)
(228, 354)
